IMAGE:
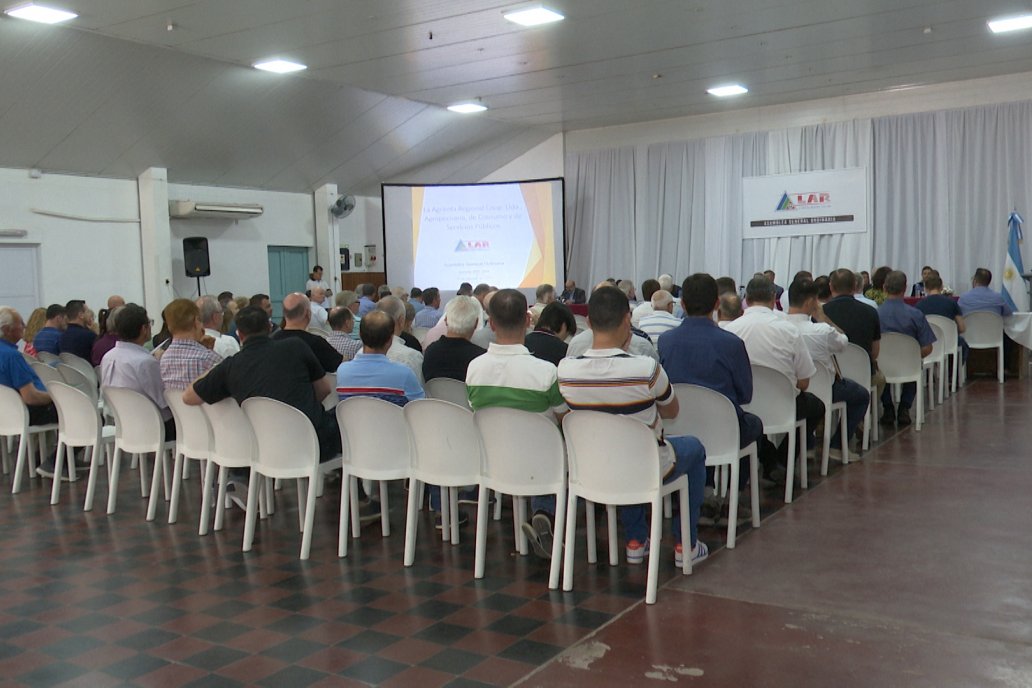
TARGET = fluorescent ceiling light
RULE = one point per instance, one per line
(533, 16)
(279, 66)
(1016, 23)
(41, 14)
(729, 90)
(467, 108)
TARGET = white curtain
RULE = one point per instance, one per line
(941, 186)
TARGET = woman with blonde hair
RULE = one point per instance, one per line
(35, 323)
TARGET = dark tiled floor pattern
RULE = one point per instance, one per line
(862, 574)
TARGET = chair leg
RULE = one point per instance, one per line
(91, 481)
(558, 533)
(668, 505)
(250, 514)
(311, 493)
(826, 440)
(55, 489)
(445, 514)
(999, 364)
(480, 552)
(498, 505)
(220, 500)
(570, 538)
(411, 524)
(20, 462)
(790, 473)
(454, 504)
(656, 533)
(178, 476)
(754, 484)
(686, 559)
(206, 486)
(385, 516)
(589, 518)
(519, 515)
(345, 507)
(356, 517)
(140, 460)
(804, 468)
(614, 555)
(920, 409)
(732, 510)
(156, 474)
(116, 466)
(300, 505)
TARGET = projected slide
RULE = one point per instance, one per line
(509, 235)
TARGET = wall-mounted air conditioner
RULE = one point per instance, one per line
(189, 210)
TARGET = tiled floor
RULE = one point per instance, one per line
(909, 568)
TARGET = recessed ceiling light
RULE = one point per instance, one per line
(467, 108)
(40, 13)
(279, 66)
(1015, 23)
(729, 90)
(533, 16)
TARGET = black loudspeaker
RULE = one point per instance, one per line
(195, 257)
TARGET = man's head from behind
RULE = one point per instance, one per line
(462, 316)
(895, 283)
(432, 297)
(608, 310)
(297, 310)
(376, 331)
(133, 324)
(183, 317)
(252, 321)
(262, 301)
(760, 292)
(982, 278)
(802, 296)
(465, 289)
(508, 311)
(57, 316)
(341, 319)
(726, 285)
(933, 281)
(699, 295)
(650, 287)
(662, 300)
(545, 293)
(75, 310)
(843, 283)
(210, 312)
(367, 290)
(11, 325)
(395, 308)
(730, 307)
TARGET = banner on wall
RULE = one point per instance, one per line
(805, 204)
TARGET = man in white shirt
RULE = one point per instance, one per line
(211, 318)
(130, 365)
(823, 340)
(772, 341)
(662, 318)
(644, 309)
(319, 324)
(399, 352)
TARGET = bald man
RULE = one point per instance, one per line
(297, 316)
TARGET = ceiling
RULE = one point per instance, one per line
(115, 91)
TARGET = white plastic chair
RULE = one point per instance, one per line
(287, 447)
(46, 373)
(82, 365)
(232, 446)
(78, 426)
(47, 358)
(855, 365)
(447, 389)
(821, 386)
(139, 430)
(523, 457)
(984, 330)
(774, 402)
(420, 333)
(900, 361)
(951, 346)
(615, 461)
(76, 378)
(376, 445)
(934, 365)
(332, 399)
(14, 423)
(193, 442)
(710, 417)
(447, 453)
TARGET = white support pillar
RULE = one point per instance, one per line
(155, 240)
(327, 235)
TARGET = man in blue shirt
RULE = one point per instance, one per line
(935, 303)
(982, 298)
(432, 311)
(16, 373)
(897, 316)
(365, 299)
(371, 373)
(48, 339)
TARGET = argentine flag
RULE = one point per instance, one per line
(1014, 291)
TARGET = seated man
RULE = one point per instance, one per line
(366, 298)
(572, 293)
(297, 315)
(823, 340)
(857, 319)
(318, 325)
(662, 318)
(920, 289)
(48, 338)
(130, 365)
(212, 315)
(371, 373)
(450, 355)
(406, 332)
(897, 316)
(982, 298)
(399, 352)
(77, 338)
(548, 340)
(640, 345)
(431, 311)
(644, 309)
(544, 295)
(342, 321)
(608, 379)
(729, 308)
(935, 303)
(187, 357)
(509, 375)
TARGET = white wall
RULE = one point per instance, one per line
(79, 258)
(238, 249)
(363, 226)
(543, 161)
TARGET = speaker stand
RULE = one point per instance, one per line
(198, 287)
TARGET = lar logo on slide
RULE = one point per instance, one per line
(473, 245)
(804, 200)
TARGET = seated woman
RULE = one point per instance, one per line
(554, 327)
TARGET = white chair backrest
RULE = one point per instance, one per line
(47, 357)
(582, 323)
(80, 364)
(448, 389)
(855, 365)
(78, 422)
(285, 438)
(446, 439)
(938, 346)
(139, 427)
(521, 449)
(420, 333)
(983, 330)
(949, 331)
(611, 456)
(193, 436)
(773, 400)
(46, 373)
(899, 358)
(77, 379)
(708, 416)
(232, 437)
(374, 434)
(14, 416)
(332, 399)
(820, 384)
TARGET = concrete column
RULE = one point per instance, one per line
(327, 235)
(155, 240)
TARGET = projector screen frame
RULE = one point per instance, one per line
(562, 217)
